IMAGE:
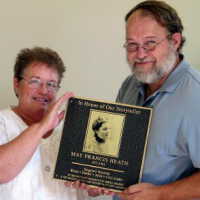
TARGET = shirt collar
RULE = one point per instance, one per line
(175, 77)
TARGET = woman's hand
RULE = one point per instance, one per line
(53, 116)
(92, 191)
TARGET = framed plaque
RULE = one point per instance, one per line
(103, 144)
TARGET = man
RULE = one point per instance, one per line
(162, 79)
(26, 159)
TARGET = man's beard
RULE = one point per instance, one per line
(158, 71)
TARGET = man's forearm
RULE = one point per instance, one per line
(184, 189)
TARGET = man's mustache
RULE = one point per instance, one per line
(143, 60)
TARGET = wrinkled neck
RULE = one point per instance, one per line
(28, 118)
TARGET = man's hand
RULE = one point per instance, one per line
(142, 191)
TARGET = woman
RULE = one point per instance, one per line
(26, 161)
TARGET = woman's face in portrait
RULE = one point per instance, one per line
(103, 131)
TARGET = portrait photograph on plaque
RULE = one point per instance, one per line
(103, 135)
(103, 144)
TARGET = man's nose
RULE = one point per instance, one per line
(141, 53)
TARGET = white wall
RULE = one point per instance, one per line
(88, 34)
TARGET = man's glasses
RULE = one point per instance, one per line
(147, 46)
(35, 83)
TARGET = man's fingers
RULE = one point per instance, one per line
(137, 188)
